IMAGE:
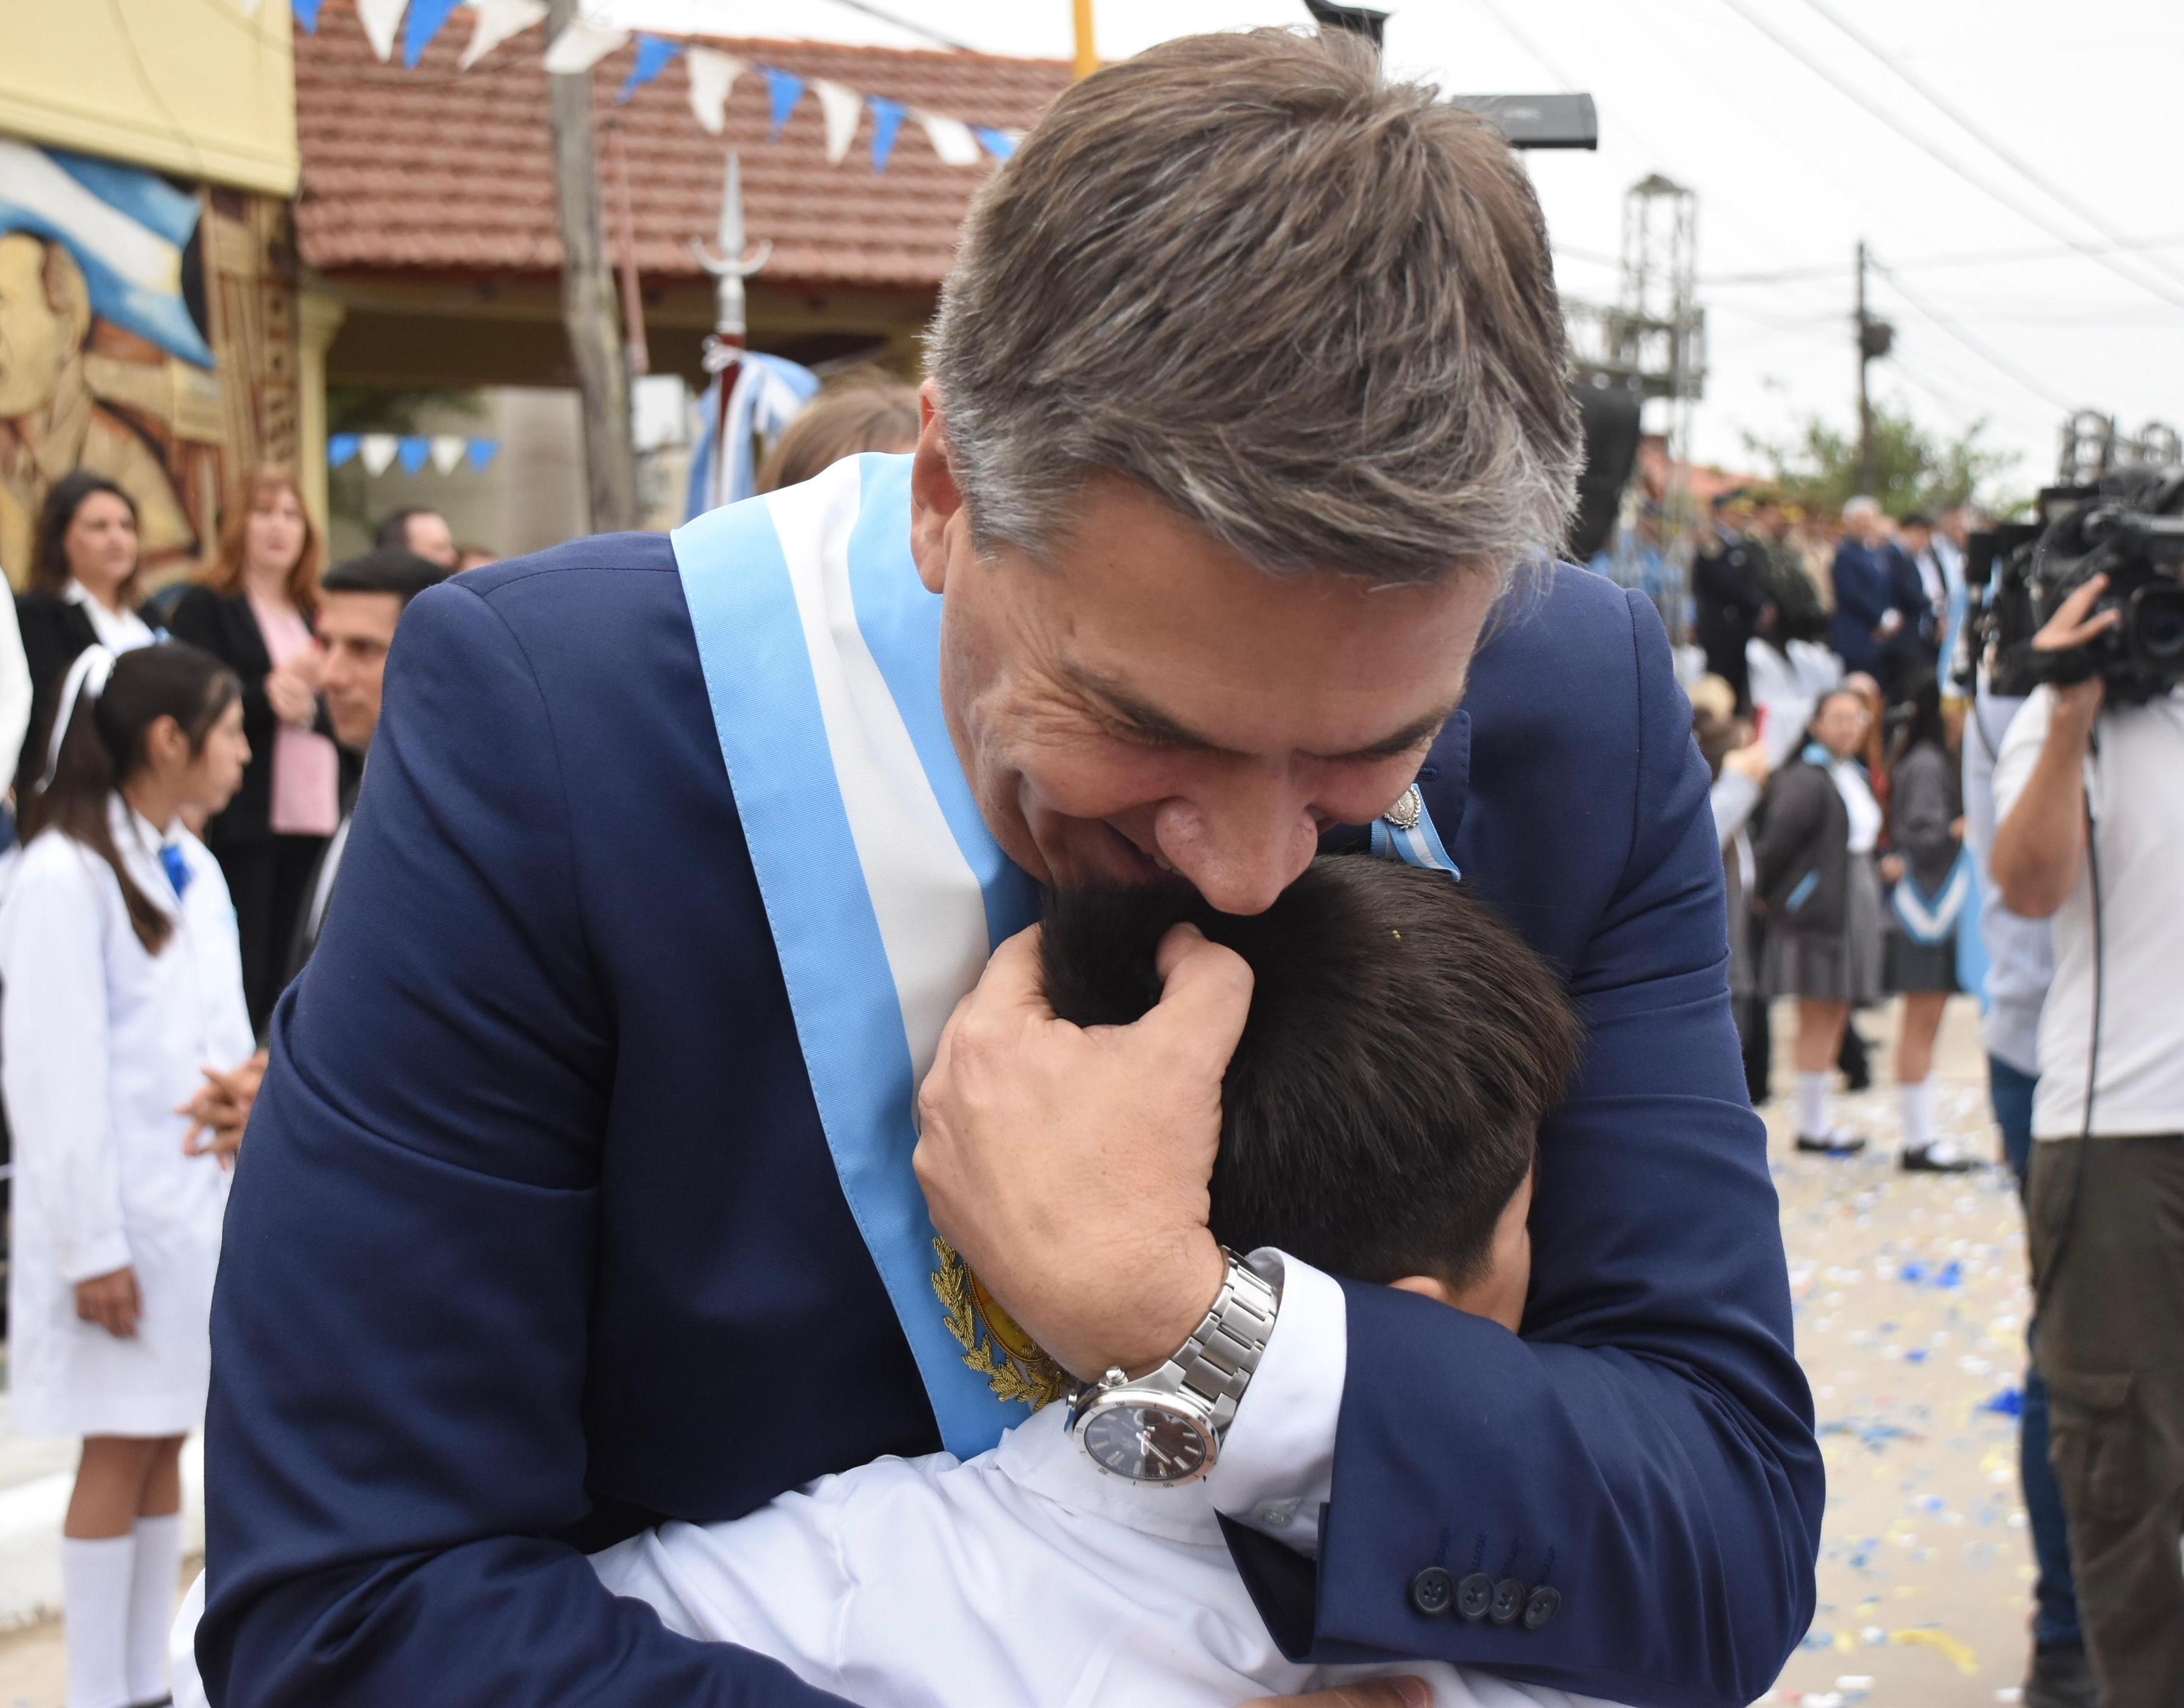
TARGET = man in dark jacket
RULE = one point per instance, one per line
(1729, 601)
(1880, 604)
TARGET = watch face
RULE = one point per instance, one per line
(1146, 1443)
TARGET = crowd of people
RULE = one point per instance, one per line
(1836, 755)
(186, 766)
(1893, 825)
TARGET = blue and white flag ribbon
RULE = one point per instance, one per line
(126, 229)
(884, 891)
(768, 392)
(1405, 832)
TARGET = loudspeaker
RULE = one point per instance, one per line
(1609, 411)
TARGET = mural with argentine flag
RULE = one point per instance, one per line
(105, 361)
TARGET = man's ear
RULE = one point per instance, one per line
(1428, 1286)
(935, 500)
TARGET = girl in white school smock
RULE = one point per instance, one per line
(120, 982)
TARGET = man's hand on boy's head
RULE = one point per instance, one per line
(1070, 1167)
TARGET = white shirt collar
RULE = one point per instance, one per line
(140, 840)
(118, 632)
(1041, 1456)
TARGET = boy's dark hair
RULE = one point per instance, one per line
(393, 570)
(1402, 1045)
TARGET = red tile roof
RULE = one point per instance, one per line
(449, 172)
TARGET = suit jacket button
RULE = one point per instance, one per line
(1508, 1601)
(1540, 1611)
(1432, 1590)
(1473, 1596)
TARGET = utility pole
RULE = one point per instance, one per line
(1864, 399)
(588, 298)
(1875, 339)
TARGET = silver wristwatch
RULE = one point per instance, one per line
(1165, 1428)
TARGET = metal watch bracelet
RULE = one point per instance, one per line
(1215, 1365)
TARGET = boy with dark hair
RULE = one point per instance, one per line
(1379, 1121)
(1380, 1111)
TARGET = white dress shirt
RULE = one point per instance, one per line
(1858, 801)
(102, 1041)
(15, 690)
(118, 632)
(1025, 1578)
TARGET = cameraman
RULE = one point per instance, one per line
(2092, 806)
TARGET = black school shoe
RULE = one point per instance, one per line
(1940, 1157)
(2061, 1678)
(1834, 1143)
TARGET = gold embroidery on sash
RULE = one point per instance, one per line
(993, 1346)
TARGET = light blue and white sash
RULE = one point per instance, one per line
(1930, 920)
(884, 890)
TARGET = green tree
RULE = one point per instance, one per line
(1915, 467)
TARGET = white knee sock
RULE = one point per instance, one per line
(1915, 1105)
(95, 1583)
(1812, 1105)
(152, 1604)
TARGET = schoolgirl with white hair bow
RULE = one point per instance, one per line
(122, 982)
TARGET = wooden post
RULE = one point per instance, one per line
(318, 318)
(1088, 57)
(588, 298)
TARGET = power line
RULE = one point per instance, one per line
(901, 22)
(1979, 133)
(2001, 364)
(1958, 257)
(1555, 69)
(1531, 47)
(2030, 215)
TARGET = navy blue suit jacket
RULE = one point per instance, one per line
(537, 1238)
(1870, 582)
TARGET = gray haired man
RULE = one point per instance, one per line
(670, 1115)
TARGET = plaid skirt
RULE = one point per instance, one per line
(1841, 967)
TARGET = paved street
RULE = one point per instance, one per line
(1910, 1302)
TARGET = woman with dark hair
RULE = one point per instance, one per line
(1815, 880)
(1931, 881)
(82, 593)
(117, 954)
(253, 610)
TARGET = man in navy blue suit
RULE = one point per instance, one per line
(669, 1115)
(1884, 623)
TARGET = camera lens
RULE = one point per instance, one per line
(2156, 624)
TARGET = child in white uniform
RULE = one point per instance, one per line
(1379, 1122)
(122, 983)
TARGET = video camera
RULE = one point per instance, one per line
(2129, 527)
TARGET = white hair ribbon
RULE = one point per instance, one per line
(86, 681)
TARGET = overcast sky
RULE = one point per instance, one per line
(1790, 172)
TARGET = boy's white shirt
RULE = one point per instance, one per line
(1026, 1578)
